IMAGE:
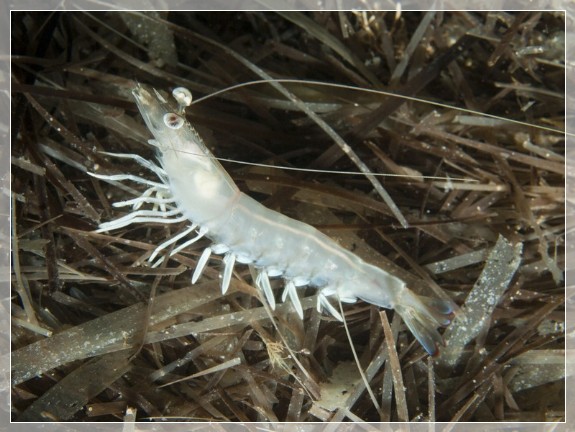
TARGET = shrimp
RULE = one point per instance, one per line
(194, 186)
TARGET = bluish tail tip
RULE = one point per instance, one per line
(423, 315)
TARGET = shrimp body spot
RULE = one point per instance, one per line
(173, 120)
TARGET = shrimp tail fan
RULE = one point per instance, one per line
(423, 315)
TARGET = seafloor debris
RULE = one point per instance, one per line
(457, 117)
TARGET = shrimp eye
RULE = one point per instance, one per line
(173, 121)
(183, 96)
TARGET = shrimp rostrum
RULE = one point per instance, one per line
(194, 187)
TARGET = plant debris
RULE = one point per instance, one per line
(429, 143)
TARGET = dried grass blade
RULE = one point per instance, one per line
(218, 368)
(532, 161)
(503, 261)
(187, 358)
(112, 332)
(310, 384)
(375, 365)
(70, 95)
(414, 42)
(527, 213)
(222, 321)
(472, 404)
(505, 40)
(74, 391)
(400, 398)
(329, 40)
(495, 362)
(360, 369)
(262, 403)
(431, 389)
(386, 394)
(22, 286)
(31, 326)
(28, 166)
(235, 406)
(295, 405)
(417, 83)
(74, 141)
(411, 280)
(80, 238)
(457, 262)
(535, 368)
(79, 198)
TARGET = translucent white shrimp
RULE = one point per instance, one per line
(247, 232)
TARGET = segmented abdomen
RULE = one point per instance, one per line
(278, 243)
